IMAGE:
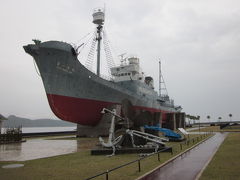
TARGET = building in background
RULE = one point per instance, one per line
(2, 118)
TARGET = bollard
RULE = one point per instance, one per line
(158, 157)
(180, 146)
(139, 166)
(107, 175)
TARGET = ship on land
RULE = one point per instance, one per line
(78, 95)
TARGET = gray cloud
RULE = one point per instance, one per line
(198, 42)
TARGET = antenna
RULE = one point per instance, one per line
(104, 8)
(162, 86)
(122, 60)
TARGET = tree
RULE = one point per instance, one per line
(219, 119)
(187, 116)
(230, 115)
(198, 118)
(208, 117)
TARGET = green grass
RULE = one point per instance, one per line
(49, 136)
(217, 129)
(82, 165)
(62, 138)
(226, 162)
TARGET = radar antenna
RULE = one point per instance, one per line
(122, 60)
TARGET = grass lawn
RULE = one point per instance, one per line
(226, 162)
(217, 129)
(81, 165)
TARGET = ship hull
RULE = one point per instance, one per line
(76, 94)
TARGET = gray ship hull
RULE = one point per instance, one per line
(77, 95)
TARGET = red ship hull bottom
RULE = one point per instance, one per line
(82, 111)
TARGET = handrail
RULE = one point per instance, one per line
(186, 142)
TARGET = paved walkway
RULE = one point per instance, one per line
(189, 165)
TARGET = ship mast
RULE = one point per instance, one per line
(99, 37)
(98, 19)
(162, 86)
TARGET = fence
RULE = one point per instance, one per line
(187, 142)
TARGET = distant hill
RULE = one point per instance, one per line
(14, 121)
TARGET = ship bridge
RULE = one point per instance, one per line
(129, 69)
(130, 75)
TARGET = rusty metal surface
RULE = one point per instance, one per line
(190, 164)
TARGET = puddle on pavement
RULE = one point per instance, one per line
(10, 166)
(37, 148)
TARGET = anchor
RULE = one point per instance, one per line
(118, 142)
(112, 141)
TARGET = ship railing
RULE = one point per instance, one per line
(175, 150)
(109, 78)
(103, 76)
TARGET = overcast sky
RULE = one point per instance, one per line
(197, 41)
